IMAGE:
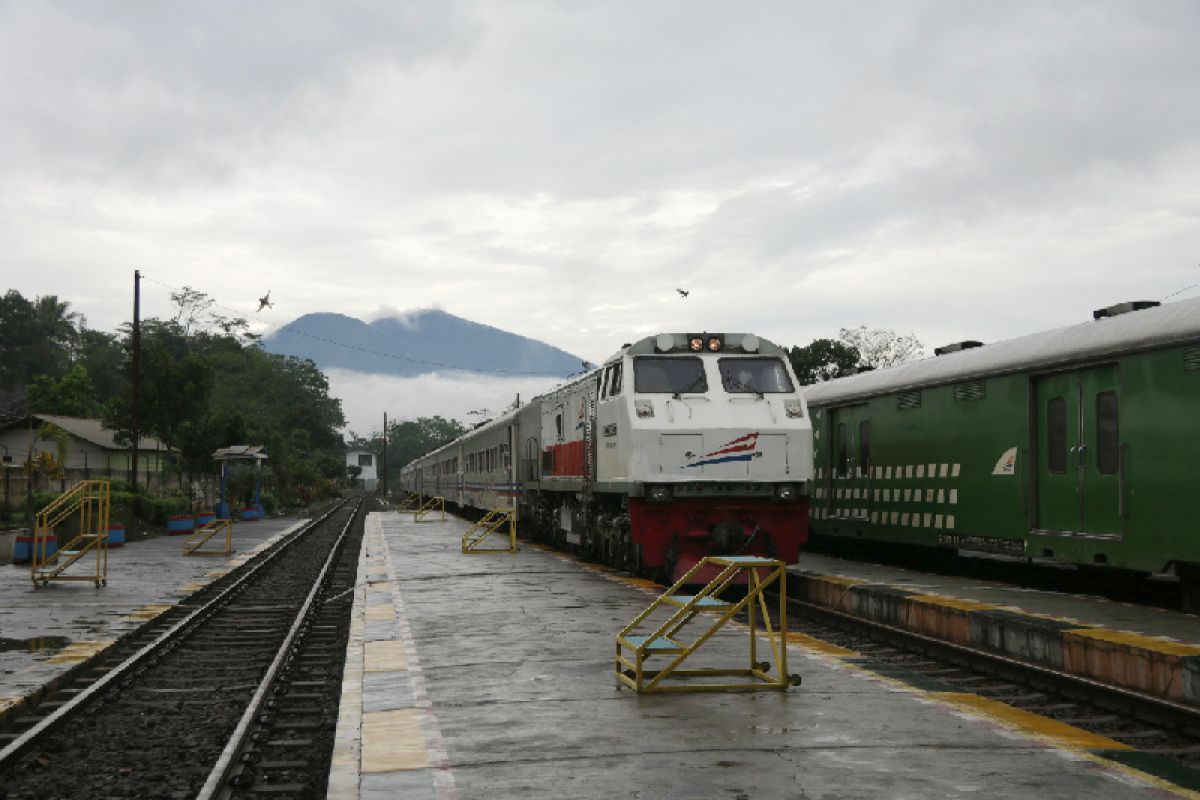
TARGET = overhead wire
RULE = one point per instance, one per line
(1181, 291)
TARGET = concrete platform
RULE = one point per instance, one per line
(1150, 650)
(46, 631)
(472, 676)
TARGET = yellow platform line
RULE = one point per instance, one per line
(1138, 641)
(392, 741)
(384, 656)
(151, 611)
(380, 612)
(80, 651)
(1057, 732)
(818, 645)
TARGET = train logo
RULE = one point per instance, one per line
(742, 448)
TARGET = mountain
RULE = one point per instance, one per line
(421, 341)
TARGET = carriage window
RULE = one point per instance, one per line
(669, 375)
(1108, 434)
(864, 445)
(754, 375)
(843, 457)
(1056, 435)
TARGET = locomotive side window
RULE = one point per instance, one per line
(669, 375)
(843, 457)
(1056, 435)
(864, 445)
(1108, 434)
(614, 385)
(754, 375)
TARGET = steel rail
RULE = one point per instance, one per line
(237, 740)
(10, 754)
(1145, 707)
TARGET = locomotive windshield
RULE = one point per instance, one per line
(754, 376)
(669, 375)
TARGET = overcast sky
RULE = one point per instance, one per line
(949, 169)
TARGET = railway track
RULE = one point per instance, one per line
(232, 694)
(1165, 736)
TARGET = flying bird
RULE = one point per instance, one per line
(682, 293)
(265, 301)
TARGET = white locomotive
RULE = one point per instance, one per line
(680, 445)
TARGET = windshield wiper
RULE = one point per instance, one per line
(691, 387)
(736, 384)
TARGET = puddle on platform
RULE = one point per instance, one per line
(39, 644)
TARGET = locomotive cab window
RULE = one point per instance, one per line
(1056, 435)
(669, 375)
(612, 381)
(754, 376)
(1108, 434)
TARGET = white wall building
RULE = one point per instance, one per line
(366, 461)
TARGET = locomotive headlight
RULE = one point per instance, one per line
(786, 492)
(715, 344)
(643, 408)
(793, 407)
(659, 494)
(695, 343)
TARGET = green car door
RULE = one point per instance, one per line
(1079, 452)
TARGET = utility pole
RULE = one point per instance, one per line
(383, 461)
(137, 374)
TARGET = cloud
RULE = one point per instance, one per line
(952, 170)
(366, 396)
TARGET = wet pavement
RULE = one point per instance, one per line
(474, 676)
(46, 631)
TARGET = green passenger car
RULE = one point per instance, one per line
(1078, 445)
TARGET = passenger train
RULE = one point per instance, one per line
(678, 446)
(1077, 445)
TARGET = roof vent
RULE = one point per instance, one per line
(957, 346)
(1124, 308)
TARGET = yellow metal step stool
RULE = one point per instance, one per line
(667, 639)
(493, 522)
(193, 544)
(428, 507)
(91, 500)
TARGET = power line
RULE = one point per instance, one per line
(395, 356)
(1181, 291)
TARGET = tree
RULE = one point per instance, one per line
(42, 462)
(72, 395)
(412, 439)
(878, 348)
(822, 360)
(175, 385)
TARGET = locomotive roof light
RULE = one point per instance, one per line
(695, 343)
(750, 343)
(659, 494)
(715, 344)
(665, 342)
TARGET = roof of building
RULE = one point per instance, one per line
(1161, 326)
(240, 451)
(89, 430)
